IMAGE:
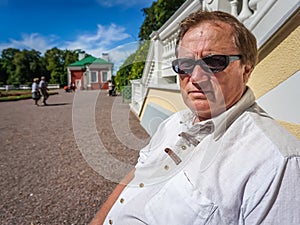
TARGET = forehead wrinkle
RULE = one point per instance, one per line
(225, 26)
(206, 36)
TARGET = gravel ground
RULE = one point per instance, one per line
(44, 178)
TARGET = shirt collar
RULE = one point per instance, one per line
(225, 119)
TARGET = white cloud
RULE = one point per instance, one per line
(105, 37)
(97, 43)
(31, 41)
(103, 40)
(120, 53)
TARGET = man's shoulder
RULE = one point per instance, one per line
(173, 122)
(269, 129)
(180, 116)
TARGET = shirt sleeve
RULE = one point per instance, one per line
(281, 201)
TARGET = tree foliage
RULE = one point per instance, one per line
(20, 67)
(7, 65)
(155, 16)
(133, 66)
(121, 78)
(26, 62)
(139, 61)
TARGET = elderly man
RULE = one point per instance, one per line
(44, 89)
(223, 161)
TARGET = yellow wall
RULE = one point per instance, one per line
(293, 128)
(169, 100)
(281, 63)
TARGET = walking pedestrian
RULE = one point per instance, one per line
(110, 88)
(44, 89)
(35, 91)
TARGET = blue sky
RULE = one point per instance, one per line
(95, 26)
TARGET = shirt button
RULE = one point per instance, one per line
(122, 200)
(141, 185)
(183, 147)
(110, 222)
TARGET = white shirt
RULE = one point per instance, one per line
(245, 170)
(34, 87)
(42, 84)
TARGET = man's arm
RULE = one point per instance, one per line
(102, 213)
(280, 204)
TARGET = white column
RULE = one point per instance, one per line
(246, 12)
(234, 7)
(87, 81)
(69, 76)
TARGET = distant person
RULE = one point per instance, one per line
(73, 87)
(110, 88)
(67, 88)
(44, 89)
(35, 91)
(113, 92)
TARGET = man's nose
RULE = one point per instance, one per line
(199, 74)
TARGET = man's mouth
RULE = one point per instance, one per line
(199, 91)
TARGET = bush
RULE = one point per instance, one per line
(16, 84)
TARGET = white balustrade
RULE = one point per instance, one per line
(245, 12)
(234, 7)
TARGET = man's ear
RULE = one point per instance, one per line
(247, 71)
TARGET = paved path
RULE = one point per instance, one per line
(58, 163)
(91, 111)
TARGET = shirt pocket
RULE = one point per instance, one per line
(179, 203)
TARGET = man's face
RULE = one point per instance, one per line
(206, 93)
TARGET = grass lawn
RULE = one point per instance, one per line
(15, 95)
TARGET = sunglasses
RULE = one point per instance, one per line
(210, 64)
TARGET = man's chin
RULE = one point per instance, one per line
(202, 108)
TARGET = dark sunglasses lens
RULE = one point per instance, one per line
(183, 66)
(216, 63)
(210, 64)
(175, 67)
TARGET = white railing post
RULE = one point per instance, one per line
(234, 7)
(245, 12)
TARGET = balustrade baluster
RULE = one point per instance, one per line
(245, 12)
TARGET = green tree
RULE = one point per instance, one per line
(54, 59)
(3, 73)
(57, 62)
(139, 61)
(27, 66)
(20, 67)
(155, 16)
(70, 56)
(7, 66)
(122, 77)
(150, 24)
